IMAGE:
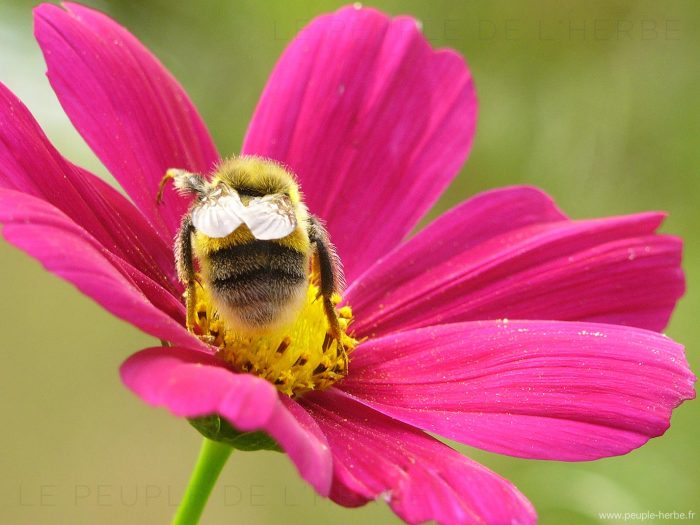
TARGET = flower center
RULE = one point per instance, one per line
(296, 358)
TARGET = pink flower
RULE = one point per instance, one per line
(375, 124)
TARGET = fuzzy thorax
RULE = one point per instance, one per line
(297, 358)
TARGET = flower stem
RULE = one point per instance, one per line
(211, 460)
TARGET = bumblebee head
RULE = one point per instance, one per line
(253, 177)
(250, 191)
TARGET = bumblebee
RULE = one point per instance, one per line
(255, 243)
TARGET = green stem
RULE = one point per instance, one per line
(212, 458)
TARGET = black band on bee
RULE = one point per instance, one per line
(241, 259)
(262, 286)
(257, 275)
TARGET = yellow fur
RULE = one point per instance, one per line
(297, 240)
(257, 173)
(267, 177)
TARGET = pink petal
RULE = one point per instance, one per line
(475, 221)
(131, 111)
(30, 164)
(67, 250)
(534, 389)
(194, 384)
(613, 270)
(421, 479)
(373, 121)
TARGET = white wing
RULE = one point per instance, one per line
(219, 216)
(270, 217)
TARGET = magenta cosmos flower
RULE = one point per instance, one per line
(375, 124)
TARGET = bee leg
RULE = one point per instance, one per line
(332, 316)
(330, 273)
(184, 264)
(190, 305)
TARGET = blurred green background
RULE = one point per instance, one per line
(596, 102)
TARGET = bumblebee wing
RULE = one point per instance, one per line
(219, 217)
(270, 217)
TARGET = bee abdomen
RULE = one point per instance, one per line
(256, 281)
(264, 285)
(241, 259)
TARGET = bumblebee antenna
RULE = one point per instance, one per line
(185, 182)
(169, 175)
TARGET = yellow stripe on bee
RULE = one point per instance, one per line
(203, 245)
